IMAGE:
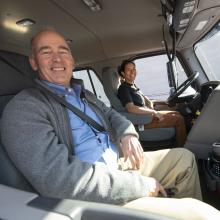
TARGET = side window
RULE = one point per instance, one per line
(152, 77)
(92, 83)
(207, 52)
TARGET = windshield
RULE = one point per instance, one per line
(207, 51)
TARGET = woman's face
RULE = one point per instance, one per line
(129, 73)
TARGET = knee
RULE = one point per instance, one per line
(179, 118)
(185, 152)
(186, 155)
(178, 115)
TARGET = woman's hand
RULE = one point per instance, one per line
(132, 150)
(158, 115)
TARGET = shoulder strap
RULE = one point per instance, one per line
(75, 110)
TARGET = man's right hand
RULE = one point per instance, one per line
(154, 188)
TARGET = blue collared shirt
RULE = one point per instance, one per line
(90, 145)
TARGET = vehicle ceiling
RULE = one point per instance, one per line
(121, 28)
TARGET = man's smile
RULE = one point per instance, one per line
(58, 68)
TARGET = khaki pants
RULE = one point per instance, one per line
(175, 169)
(182, 209)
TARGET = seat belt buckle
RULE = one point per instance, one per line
(140, 127)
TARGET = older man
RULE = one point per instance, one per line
(63, 156)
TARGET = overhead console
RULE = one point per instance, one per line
(190, 19)
(178, 13)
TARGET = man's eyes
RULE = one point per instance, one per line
(46, 52)
(50, 52)
(64, 52)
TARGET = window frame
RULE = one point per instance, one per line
(163, 52)
(180, 58)
(94, 91)
(87, 68)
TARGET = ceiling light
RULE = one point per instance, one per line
(93, 5)
(13, 26)
(26, 22)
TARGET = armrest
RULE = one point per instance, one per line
(24, 205)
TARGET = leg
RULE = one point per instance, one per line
(171, 119)
(175, 169)
(162, 105)
(183, 209)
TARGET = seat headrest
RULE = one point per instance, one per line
(12, 81)
(111, 77)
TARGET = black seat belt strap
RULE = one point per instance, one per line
(75, 110)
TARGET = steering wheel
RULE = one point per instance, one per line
(180, 89)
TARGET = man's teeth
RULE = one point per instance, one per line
(58, 68)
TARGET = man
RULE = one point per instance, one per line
(134, 101)
(62, 156)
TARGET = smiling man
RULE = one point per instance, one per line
(52, 57)
(63, 156)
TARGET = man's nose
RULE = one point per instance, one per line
(56, 57)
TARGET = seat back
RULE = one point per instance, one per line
(111, 81)
(10, 84)
(10, 175)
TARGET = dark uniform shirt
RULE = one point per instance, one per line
(130, 93)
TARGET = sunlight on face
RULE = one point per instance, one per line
(130, 73)
(52, 58)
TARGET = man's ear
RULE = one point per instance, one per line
(33, 63)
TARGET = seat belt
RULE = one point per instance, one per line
(37, 84)
(75, 110)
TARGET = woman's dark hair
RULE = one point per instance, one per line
(121, 68)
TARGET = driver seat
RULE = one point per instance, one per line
(11, 83)
(111, 82)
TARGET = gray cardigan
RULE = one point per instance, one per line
(36, 133)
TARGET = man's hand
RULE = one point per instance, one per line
(154, 188)
(132, 150)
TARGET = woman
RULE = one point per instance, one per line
(134, 101)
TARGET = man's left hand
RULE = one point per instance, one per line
(132, 150)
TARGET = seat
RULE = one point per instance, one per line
(111, 82)
(10, 84)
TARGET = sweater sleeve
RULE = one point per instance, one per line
(30, 136)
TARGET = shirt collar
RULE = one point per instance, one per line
(74, 89)
(131, 85)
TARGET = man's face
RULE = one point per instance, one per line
(130, 73)
(52, 58)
